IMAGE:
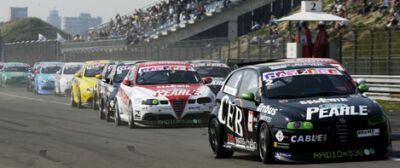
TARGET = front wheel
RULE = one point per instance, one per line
(72, 101)
(79, 103)
(264, 144)
(101, 110)
(95, 105)
(117, 118)
(131, 121)
(215, 133)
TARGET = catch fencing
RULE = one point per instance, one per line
(361, 52)
(31, 52)
(382, 87)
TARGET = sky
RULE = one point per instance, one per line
(103, 8)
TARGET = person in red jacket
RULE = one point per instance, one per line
(321, 42)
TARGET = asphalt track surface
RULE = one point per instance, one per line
(44, 131)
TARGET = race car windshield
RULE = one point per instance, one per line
(121, 73)
(167, 77)
(93, 70)
(217, 72)
(308, 86)
(50, 69)
(71, 70)
(16, 69)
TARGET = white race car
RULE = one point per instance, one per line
(64, 77)
(165, 94)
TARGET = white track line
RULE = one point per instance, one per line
(34, 99)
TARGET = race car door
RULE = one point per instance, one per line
(125, 90)
(249, 94)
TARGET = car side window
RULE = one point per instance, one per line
(131, 74)
(250, 82)
(232, 85)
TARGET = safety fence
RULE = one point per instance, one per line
(382, 87)
(31, 52)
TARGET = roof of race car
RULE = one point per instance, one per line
(205, 61)
(73, 63)
(51, 63)
(162, 63)
(265, 67)
(323, 60)
(15, 64)
(97, 62)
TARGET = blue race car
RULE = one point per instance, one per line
(44, 80)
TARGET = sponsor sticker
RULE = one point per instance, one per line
(210, 65)
(368, 133)
(232, 116)
(344, 153)
(250, 121)
(323, 100)
(297, 72)
(281, 145)
(94, 66)
(166, 67)
(279, 136)
(267, 109)
(121, 69)
(318, 112)
(308, 138)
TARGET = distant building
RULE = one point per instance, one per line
(54, 19)
(80, 25)
(18, 13)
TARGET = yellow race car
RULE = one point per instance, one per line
(82, 86)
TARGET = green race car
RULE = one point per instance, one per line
(14, 73)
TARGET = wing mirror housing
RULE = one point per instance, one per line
(248, 96)
(207, 80)
(78, 75)
(126, 82)
(362, 85)
(98, 76)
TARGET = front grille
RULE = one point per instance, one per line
(178, 105)
(342, 132)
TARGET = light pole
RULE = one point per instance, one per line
(1, 48)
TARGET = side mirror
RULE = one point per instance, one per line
(248, 96)
(126, 82)
(98, 76)
(363, 87)
(207, 80)
(78, 75)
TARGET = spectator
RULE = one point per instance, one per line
(393, 22)
(321, 42)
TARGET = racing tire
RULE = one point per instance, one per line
(215, 133)
(117, 118)
(131, 120)
(72, 101)
(101, 110)
(79, 103)
(95, 105)
(265, 144)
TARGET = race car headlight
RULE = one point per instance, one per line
(300, 125)
(150, 102)
(376, 120)
(204, 100)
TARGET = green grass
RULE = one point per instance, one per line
(389, 106)
(28, 30)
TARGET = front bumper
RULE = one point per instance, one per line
(166, 116)
(331, 143)
(16, 80)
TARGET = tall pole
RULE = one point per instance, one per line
(1, 48)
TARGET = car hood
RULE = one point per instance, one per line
(15, 74)
(322, 108)
(88, 82)
(49, 77)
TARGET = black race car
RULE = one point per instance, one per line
(109, 88)
(297, 111)
(213, 70)
(100, 82)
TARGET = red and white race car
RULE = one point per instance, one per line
(163, 93)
